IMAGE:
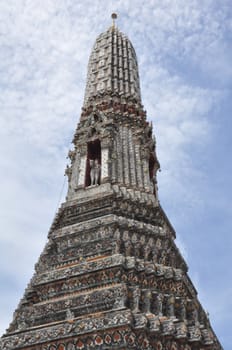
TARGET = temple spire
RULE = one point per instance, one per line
(110, 275)
(112, 68)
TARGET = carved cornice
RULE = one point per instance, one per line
(117, 329)
(66, 329)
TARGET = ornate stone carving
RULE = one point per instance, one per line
(69, 315)
(181, 330)
(82, 326)
(168, 327)
(140, 321)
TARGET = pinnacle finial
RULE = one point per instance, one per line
(114, 16)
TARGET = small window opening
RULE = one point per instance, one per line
(93, 131)
(93, 166)
(151, 167)
(95, 116)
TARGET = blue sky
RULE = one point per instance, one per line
(184, 54)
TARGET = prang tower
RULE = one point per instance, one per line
(110, 275)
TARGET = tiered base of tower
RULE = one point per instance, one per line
(110, 277)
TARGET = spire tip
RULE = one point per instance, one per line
(114, 16)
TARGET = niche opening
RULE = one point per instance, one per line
(93, 166)
(151, 166)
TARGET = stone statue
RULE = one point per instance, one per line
(135, 299)
(95, 169)
(159, 304)
(162, 258)
(147, 251)
(195, 315)
(69, 315)
(183, 309)
(170, 306)
(92, 171)
(71, 155)
(68, 172)
(147, 301)
(128, 247)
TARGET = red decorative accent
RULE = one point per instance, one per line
(98, 340)
(80, 345)
(145, 343)
(61, 347)
(117, 337)
(131, 339)
(108, 339)
(159, 346)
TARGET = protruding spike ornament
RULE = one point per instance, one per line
(114, 16)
